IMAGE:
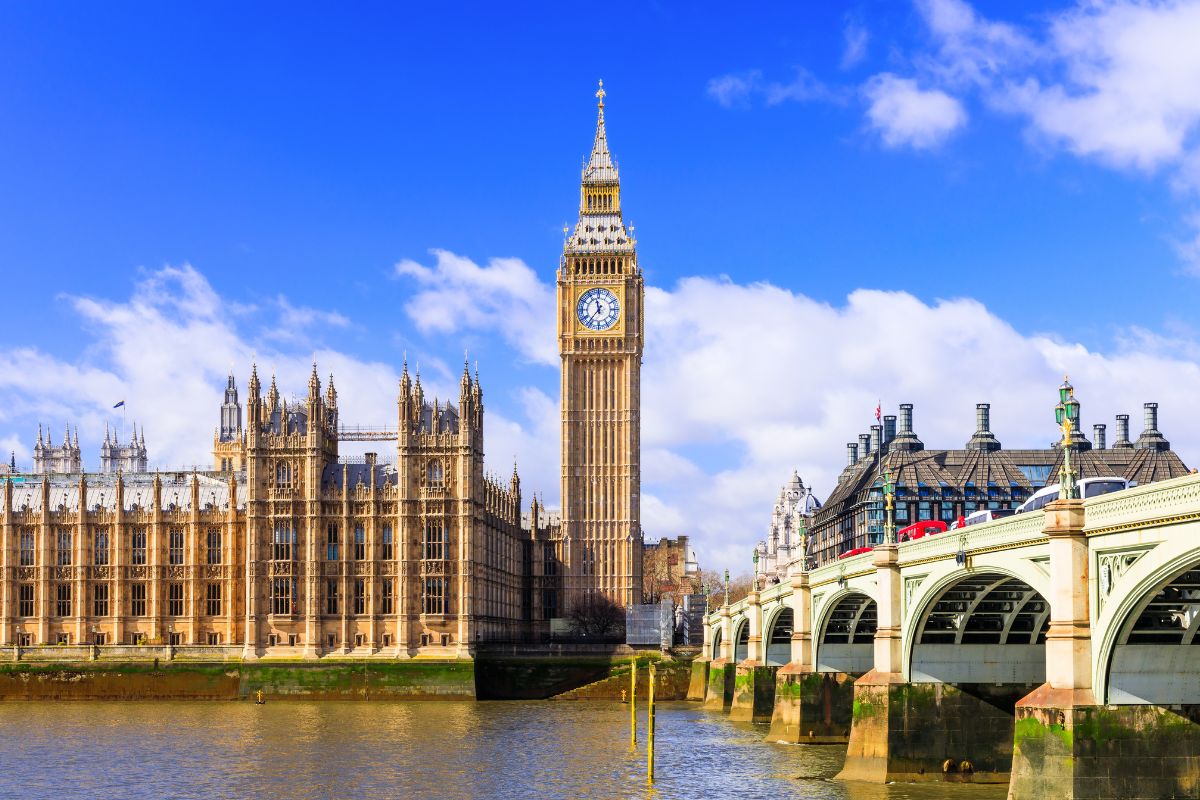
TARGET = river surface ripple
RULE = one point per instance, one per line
(396, 749)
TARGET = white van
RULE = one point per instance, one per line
(1088, 487)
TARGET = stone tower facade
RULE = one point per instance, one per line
(229, 440)
(117, 457)
(600, 293)
(49, 459)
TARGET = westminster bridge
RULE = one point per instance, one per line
(1057, 650)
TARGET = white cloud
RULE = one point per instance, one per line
(505, 295)
(738, 90)
(855, 38)
(971, 49)
(904, 114)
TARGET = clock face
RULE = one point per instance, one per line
(598, 309)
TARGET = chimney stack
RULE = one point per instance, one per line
(983, 438)
(903, 436)
(876, 437)
(889, 429)
(1098, 433)
(1152, 438)
(1122, 441)
(851, 454)
(864, 445)
(905, 419)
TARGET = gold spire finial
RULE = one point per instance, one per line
(600, 93)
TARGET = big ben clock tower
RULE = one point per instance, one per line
(600, 335)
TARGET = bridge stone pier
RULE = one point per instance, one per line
(1056, 650)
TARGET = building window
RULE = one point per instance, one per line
(285, 537)
(435, 474)
(64, 547)
(139, 547)
(212, 601)
(360, 543)
(388, 552)
(100, 600)
(549, 563)
(175, 546)
(175, 599)
(63, 607)
(387, 596)
(137, 599)
(62, 638)
(25, 595)
(331, 542)
(283, 595)
(283, 475)
(434, 546)
(331, 596)
(27, 552)
(100, 553)
(360, 596)
(214, 546)
(434, 596)
(214, 638)
(549, 604)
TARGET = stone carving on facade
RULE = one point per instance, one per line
(1113, 567)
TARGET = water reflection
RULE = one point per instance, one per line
(450, 750)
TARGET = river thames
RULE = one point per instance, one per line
(145, 749)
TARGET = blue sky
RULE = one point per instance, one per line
(885, 182)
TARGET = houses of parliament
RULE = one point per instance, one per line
(286, 548)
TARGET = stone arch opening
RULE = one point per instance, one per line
(986, 627)
(741, 642)
(1155, 658)
(847, 639)
(779, 639)
(716, 645)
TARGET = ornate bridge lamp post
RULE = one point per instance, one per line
(727, 586)
(889, 497)
(754, 562)
(1066, 414)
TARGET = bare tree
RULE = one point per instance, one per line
(597, 617)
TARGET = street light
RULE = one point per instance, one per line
(1066, 414)
(889, 496)
(726, 586)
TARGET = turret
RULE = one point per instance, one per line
(983, 438)
(1122, 440)
(1152, 438)
(231, 413)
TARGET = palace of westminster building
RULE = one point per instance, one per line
(285, 548)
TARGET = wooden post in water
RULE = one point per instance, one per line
(650, 730)
(633, 705)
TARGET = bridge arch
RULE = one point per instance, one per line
(778, 636)
(986, 625)
(1148, 642)
(716, 643)
(741, 640)
(845, 636)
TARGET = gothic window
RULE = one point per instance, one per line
(175, 549)
(331, 543)
(387, 542)
(360, 596)
(64, 547)
(331, 596)
(139, 547)
(283, 595)
(25, 605)
(100, 553)
(137, 599)
(387, 596)
(175, 599)
(435, 475)
(360, 543)
(214, 546)
(436, 540)
(212, 604)
(27, 552)
(285, 538)
(100, 600)
(63, 607)
(283, 475)
(433, 596)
